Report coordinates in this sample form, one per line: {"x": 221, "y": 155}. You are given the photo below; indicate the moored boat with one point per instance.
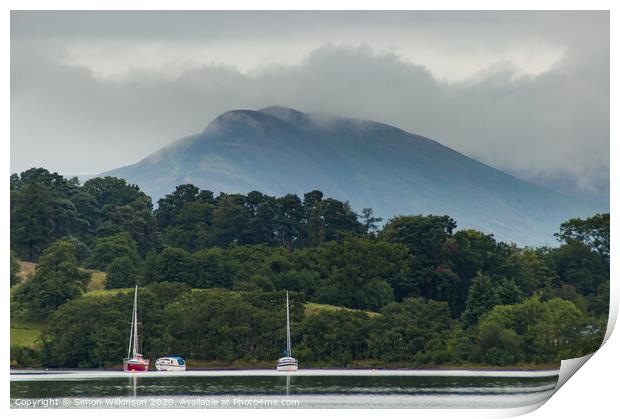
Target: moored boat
{"x": 170, "y": 363}
{"x": 287, "y": 362}
{"x": 135, "y": 362}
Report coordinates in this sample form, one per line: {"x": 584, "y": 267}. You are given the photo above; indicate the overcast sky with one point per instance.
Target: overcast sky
{"x": 527, "y": 92}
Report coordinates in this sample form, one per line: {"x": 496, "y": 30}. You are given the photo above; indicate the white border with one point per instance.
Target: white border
{"x": 593, "y": 392}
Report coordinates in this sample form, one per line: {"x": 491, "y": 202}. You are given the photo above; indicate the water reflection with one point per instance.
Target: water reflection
{"x": 134, "y": 384}
{"x": 288, "y": 384}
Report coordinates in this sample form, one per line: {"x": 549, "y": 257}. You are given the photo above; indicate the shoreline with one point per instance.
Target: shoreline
{"x": 201, "y": 365}
{"x": 60, "y": 375}
{"x": 457, "y": 369}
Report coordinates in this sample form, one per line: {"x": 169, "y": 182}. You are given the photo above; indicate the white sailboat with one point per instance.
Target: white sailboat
{"x": 134, "y": 361}
{"x": 287, "y": 363}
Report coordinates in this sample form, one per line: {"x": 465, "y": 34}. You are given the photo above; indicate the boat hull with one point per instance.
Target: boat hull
{"x": 136, "y": 365}
{"x": 286, "y": 367}
{"x": 287, "y": 364}
{"x": 170, "y": 367}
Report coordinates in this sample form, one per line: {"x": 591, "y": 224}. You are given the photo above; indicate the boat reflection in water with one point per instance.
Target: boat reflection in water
{"x": 312, "y": 388}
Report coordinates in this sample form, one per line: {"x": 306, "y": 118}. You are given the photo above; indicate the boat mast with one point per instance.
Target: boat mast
{"x": 135, "y": 324}
{"x": 288, "y": 329}
{"x": 130, "y": 336}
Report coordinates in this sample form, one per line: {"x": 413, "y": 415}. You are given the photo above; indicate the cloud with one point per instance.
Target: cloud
{"x": 547, "y": 122}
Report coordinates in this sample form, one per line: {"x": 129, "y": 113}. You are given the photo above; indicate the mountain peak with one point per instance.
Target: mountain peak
{"x": 238, "y": 118}
{"x": 284, "y": 113}
{"x": 279, "y": 150}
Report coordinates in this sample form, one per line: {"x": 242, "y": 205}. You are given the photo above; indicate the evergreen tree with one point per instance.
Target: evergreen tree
{"x": 31, "y": 221}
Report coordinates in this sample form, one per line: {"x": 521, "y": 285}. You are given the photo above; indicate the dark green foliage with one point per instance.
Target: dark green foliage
{"x": 31, "y": 220}
{"x": 426, "y": 237}
{"x": 14, "y": 269}
{"x": 24, "y": 356}
{"x": 45, "y": 207}
{"x": 124, "y": 208}
{"x": 356, "y": 273}
{"x": 167, "y": 292}
{"x": 122, "y": 272}
{"x": 112, "y": 191}
{"x": 528, "y": 270}
{"x": 57, "y": 280}
{"x": 500, "y": 346}
{"x": 599, "y": 303}
{"x": 408, "y": 329}
{"x": 82, "y": 251}
{"x": 471, "y": 252}
{"x": 486, "y": 292}
{"x": 226, "y": 326}
{"x": 193, "y": 219}
{"x": 334, "y": 337}
{"x": 577, "y": 265}
{"x": 176, "y": 265}
{"x": 569, "y": 293}
{"x": 540, "y": 331}
{"x": 106, "y": 249}
{"x": 86, "y": 333}
{"x": 593, "y": 232}
{"x": 442, "y": 297}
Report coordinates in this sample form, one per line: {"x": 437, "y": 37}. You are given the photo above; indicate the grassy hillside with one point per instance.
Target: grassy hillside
{"x": 101, "y": 292}
{"x": 26, "y": 334}
{"x": 310, "y": 308}
{"x": 315, "y": 308}
{"x": 97, "y": 280}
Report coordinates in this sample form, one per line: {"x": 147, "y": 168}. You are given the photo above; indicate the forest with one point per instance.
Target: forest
{"x": 411, "y": 291}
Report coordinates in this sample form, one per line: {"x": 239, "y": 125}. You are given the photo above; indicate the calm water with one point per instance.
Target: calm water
{"x": 272, "y": 389}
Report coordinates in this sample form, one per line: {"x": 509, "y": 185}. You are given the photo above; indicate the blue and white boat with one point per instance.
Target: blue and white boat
{"x": 170, "y": 363}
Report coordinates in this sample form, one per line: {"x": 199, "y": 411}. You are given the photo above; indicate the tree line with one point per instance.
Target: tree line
{"x": 416, "y": 290}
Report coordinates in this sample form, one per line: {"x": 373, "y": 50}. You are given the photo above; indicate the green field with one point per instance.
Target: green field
{"x": 315, "y": 308}
{"x": 102, "y": 292}
{"x": 26, "y": 334}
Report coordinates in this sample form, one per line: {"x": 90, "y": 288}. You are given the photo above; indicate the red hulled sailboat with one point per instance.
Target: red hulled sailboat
{"x": 134, "y": 361}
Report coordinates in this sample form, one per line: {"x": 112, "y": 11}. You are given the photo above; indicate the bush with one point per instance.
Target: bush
{"x": 122, "y": 273}
{"x": 23, "y": 356}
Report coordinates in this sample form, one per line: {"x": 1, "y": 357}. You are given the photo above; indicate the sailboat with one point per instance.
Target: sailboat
{"x": 287, "y": 363}
{"x": 134, "y": 361}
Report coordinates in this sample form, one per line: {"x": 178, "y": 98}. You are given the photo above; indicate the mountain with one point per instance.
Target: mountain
{"x": 279, "y": 150}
